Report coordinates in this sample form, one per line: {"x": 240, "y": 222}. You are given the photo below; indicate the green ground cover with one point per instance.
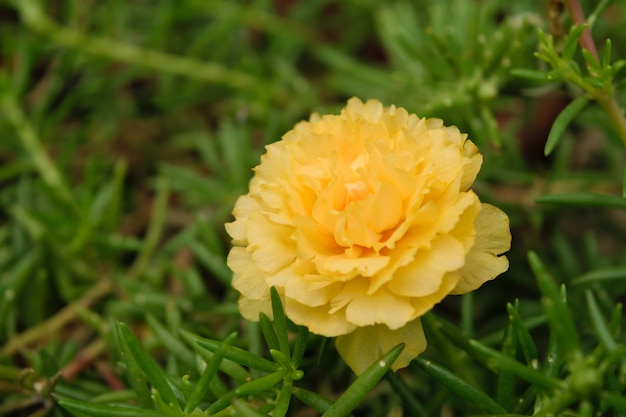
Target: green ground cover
{"x": 129, "y": 128}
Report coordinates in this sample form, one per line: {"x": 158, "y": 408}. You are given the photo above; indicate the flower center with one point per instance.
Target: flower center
{"x": 356, "y": 191}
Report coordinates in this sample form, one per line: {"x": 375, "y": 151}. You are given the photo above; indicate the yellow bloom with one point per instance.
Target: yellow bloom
{"x": 363, "y": 221}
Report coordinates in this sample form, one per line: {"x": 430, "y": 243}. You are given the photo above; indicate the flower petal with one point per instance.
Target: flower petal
{"x": 270, "y": 244}
{"x": 244, "y": 207}
{"x": 422, "y": 305}
{"x": 424, "y": 275}
{"x": 484, "y": 260}
{"x": 381, "y": 307}
{"x": 247, "y": 277}
{"x": 250, "y": 309}
{"x": 365, "y": 345}
{"x": 318, "y": 320}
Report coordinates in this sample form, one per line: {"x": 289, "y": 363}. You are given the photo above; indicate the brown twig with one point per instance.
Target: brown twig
{"x": 84, "y": 358}
{"x": 606, "y": 99}
{"x": 578, "y": 17}
{"x": 57, "y": 321}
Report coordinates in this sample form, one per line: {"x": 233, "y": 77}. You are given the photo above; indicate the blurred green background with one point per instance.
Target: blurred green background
{"x": 129, "y": 128}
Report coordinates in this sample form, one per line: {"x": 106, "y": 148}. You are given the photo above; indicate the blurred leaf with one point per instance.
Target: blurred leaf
{"x": 313, "y": 400}
{"x": 571, "y": 43}
{"x": 559, "y": 317}
{"x": 524, "y": 338}
{"x": 105, "y": 410}
{"x": 459, "y": 386}
{"x": 500, "y": 362}
{"x": 268, "y": 331}
{"x": 244, "y": 410}
{"x": 583, "y": 199}
{"x": 280, "y": 323}
{"x": 299, "y": 347}
{"x": 153, "y": 373}
{"x": 411, "y": 403}
{"x": 171, "y": 342}
{"x": 362, "y": 386}
{"x": 240, "y": 356}
{"x": 209, "y": 373}
{"x": 230, "y": 368}
{"x": 505, "y": 380}
{"x": 599, "y": 323}
{"x": 562, "y": 121}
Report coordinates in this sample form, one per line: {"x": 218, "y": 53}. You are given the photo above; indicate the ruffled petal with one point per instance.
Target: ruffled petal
{"x": 270, "y": 244}
{"x": 365, "y": 345}
{"x": 424, "y": 275}
{"x": 318, "y": 320}
{"x": 381, "y": 307}
{"x": 484, "y": 260}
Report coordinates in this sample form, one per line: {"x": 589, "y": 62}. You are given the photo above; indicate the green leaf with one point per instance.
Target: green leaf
{"x": 411, "y": 404}
{"x": 467, "y": 314}
{"x": 134, "y": 373}
{"x": 363, "y": 385}
{"x": 299, "y": 347}
{"x": 170, "y": 410}
{"x": 562, "y": 121}
{"x": 599, "y": 323}
{"x": 172, "y": 343}
{"x": 242, "y": 409}
{"x": 524, "y": 338}
{"x": 498, "y": 361}
{"x": 268, "y": 332}
{"x": 230, "y": 368}
{"x": 606, "y": 58}
{"x": 532, "y": 75}
{"x": 262, "y": 384}
{"x": 212, "y": 261}
{"x": 616, "y": 318}
{"x": 601, "y": 275}
{"x": 505, "y": 381}
{"x": 284, "y": 398}
{"x": 12, "y": 284}
{"x": 154, "y": 374}
{"x": 459, "y": 386}
{"x": 241, "y": 356}
{"x": 559, "y": 317}
{"x": 624, "y": 183}
{"x": 554, "y": 357}
{"x": 105, "y": 410}
{"x": 616, "y": 400}
{"x": 583, "y": 199}
{"x": 571, "y": 42}
{"x": 280, "y": 323}
{"x": 209, "y": 373}
{"x": 312, "y": 399}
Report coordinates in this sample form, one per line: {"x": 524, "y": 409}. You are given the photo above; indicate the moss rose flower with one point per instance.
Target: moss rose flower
{"x": 363, "y": 221}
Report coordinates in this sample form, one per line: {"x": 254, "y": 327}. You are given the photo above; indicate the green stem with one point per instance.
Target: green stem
{"x": 155, "y": 228}
{"x": 607, "y": 101}
{"x": 52, "y": 325}
{"x": 616, "y": 115}
{"x": 578, "y": 17}
{"x": 32, "y": 15}
{"x": 31, "y": 143}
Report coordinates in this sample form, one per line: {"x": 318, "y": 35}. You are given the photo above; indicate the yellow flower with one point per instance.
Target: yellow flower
{"x": 363, "y": 221}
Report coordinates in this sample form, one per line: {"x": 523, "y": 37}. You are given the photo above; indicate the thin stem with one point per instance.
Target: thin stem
{"x": 84, "y": 358}
{"x": 616, "y": 115}
{"x": 608, "y": 102}
{"x": 32, "y": 144}
{"x": 578, "y": 17}
{"x": 52, "y": 325}
{"x": 35, "y": 19}
{"x": 155, "y": 228}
